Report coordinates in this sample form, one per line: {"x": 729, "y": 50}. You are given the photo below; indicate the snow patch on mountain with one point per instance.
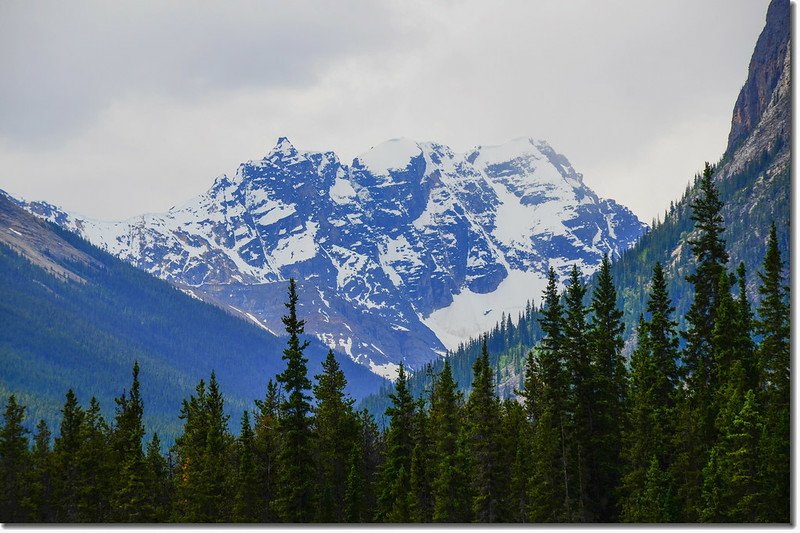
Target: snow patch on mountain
{"x": 394, "y": 154}
{"x": 472, "y": 313}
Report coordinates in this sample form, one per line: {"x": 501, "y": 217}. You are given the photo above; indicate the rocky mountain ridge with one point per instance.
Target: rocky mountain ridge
{"x": 406, "y": 252}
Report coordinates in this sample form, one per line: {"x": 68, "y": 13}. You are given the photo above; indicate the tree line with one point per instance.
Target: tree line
{"x": 693, "y": 428}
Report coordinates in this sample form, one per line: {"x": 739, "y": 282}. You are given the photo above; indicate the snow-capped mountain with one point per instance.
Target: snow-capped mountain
{"x": 408, "y": 251}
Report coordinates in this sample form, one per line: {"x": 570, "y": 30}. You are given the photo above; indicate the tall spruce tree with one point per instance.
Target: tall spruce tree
{"x": 450, "y": 499}
{"x": 609, "y": 383}
{"x": 204, "y": 458}
{"x": 266, "y": 438}
{"x": 546, "y": 378}
{"x": 336, "y": 431}
{"x": 516, "y": 455}
{"x": 14, "y": 463}
{"x": 66, "y": 461}
{"x": 40, "y": 478}
{"x": 483, "y": 425}
{"x": 295, "y": 494}
{"x": 246, "y": 500}
{"x": 708, "y": 248}
{"x": 157, "y": 481}
{"x": 582, "y": 398}
{"x": 421, "y": 468}
{"x": 96, "y": 467}
{"x": 217, "y": 456}
{"x": 355, "y": 508}
{"x": 394, "y": 500}
{"x": 126, "y": 443}
{"x": 647, "y": 487}
{"x": 774, "y": 387}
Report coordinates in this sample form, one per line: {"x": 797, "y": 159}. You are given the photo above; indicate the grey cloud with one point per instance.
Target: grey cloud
{"x": 63, "y": 62}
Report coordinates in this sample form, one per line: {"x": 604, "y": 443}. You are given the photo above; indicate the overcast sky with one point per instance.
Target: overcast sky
{"x": 112, "y": 109}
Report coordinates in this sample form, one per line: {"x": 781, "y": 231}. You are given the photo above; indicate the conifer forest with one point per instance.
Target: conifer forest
{"x": 692, "y": 426}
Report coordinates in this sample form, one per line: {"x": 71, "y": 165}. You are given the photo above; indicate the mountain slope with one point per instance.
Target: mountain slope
{"x": 410, "y": 250}
{"x": 754, "y": 180}
{"x": 75, "y": 316}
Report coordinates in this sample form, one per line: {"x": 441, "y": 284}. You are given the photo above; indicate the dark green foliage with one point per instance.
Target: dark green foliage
{"x": 609, "y": 389}
{"x": 395, "y": 497}
{"x": 581, "y": 399}
{"x": 203, "y": 458}
{"x": 97, "y": 469}
{"x": 547, "y": 383}
{"x": 774, "y": 385}
{"x": 336, "y": 432}
{"x": 295, "y": 497}
{"x": 39, "y": 500}
{"x": 647, "y": 486}
{"x": 14, "y": 463}
{"x": 487, "y": 471}
{"x": 710, "y": 258}
{"x": 516, "y": 454}
{"x": 129, "y": 500}
{"x": 66, "y": 459}
{"x": 157, "y": 481}
{"x": 265, "y": 446}
{"x": 421, "y": 469}
{"x": 450, "y": 497}
{"x": 246, "y": 502}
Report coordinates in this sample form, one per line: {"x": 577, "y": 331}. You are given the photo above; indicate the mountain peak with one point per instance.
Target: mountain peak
{"x": 394, "y": 154}
{"x": 283, "y": 147}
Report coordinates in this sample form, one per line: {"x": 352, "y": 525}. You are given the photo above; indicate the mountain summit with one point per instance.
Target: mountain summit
{"x": 409, "y": 250}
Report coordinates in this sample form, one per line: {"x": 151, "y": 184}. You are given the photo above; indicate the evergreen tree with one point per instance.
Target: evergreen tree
{"x": 394, "y": 500}
{"x": 40, "y": 478}
{"x": 516, "y": 453}
{"x": 14, "y": 463}
{"x": 549, "y": 490}
{"x": 609, "y": 384}
{"x": 547, "y": 498}
{"x": 129, "y": 501}
{"x": 355, "y": 509}
{"x": 662, "y": 339}
{"x": 203, "y": 454}
{"x": 265, "y": 443}
{"x": 582, "y": 395}
{"x": 647, "y": 487}
{"x": 450, "y": 499}
{"x": 96, "y": 468}
{"x": 66, "y": 461}
{"x": 217, "y": 457}
{"x": 483, "y": 425}
{"x": 245, "y": 503}
{"x": 189, "y": 502}
{"x": 157, "y": 482}
{"x": 744, "y": 330}
{"x": 421, "y": 469}
{"x": 295, "y": 497}
{"x": 710, "y": 256}
{"x": 774, "y": 364}
{"x": 335, "y": 432}
{"x": 744, "y": 488}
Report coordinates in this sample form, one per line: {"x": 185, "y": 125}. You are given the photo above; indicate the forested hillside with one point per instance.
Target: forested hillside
{"x": 75, "y": 316}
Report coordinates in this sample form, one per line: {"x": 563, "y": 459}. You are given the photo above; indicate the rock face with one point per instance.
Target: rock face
{"x": 766, "y": 68}
{"x": 752, "y": 209}
{"x": 408, "y": 251}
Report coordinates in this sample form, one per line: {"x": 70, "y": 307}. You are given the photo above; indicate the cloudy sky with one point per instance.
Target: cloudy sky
{"x": 112, "y": 109}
